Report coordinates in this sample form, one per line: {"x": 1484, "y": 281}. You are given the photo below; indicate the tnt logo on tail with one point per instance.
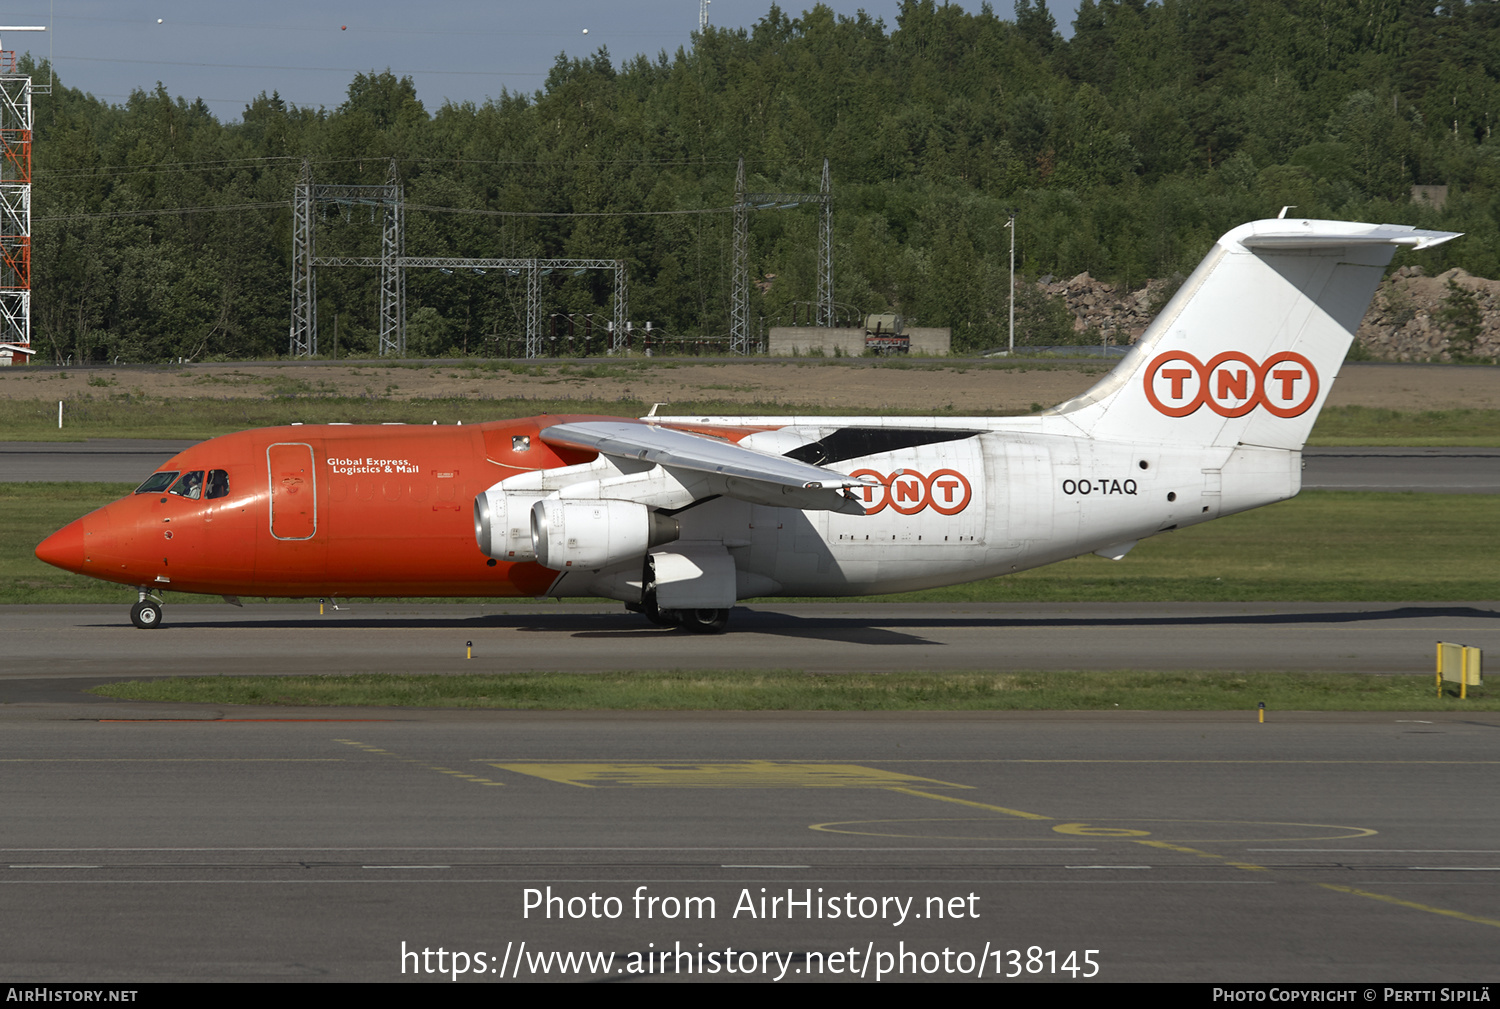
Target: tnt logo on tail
{"x": 1231, "y": 384}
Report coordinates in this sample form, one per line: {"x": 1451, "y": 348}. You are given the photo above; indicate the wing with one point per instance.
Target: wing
{"x": 732, "y": 470}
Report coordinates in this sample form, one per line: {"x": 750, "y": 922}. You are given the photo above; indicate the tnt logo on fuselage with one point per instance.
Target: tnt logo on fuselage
{"x": 1231, "y": 384}
{"x": 945, "y": 491}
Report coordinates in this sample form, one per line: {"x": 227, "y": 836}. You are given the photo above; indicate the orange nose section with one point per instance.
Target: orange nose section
{"x": 64, "y": 548}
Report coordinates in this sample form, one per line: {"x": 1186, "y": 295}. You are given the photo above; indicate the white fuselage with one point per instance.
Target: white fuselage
{"x": 1004, "y": 496}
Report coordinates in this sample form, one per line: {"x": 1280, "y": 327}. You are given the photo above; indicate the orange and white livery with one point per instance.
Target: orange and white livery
{"x": 680, "y": 517}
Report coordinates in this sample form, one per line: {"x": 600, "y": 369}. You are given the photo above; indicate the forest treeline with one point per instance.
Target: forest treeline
{"x": 1124, "y": 150}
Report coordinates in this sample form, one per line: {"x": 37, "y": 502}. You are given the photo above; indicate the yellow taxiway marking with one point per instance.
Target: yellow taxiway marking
{"x": 1411, "y": 904}
{"x": 783, "y": 774}
{"x": 1079, "y": 760}
{"x": 465, "y": 775}
{"x": 1105, "y": 830}
{"x": 969, "y": 802}
{"x": 1247, "y": 866}
{"x": 735, "y": 774}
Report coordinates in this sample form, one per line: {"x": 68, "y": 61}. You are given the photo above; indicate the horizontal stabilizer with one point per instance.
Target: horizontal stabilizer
{"x": 1301, "y": 235}
{"x": 1248, "y": 347}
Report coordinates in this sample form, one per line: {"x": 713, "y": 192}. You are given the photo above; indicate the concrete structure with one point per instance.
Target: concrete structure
{"x": 932, "y": 341}
{"x": 814, "y": 341}
{"x": 1433, "y": 196}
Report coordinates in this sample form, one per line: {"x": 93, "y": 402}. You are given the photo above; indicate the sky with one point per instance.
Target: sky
{"x": 454, "y": 50}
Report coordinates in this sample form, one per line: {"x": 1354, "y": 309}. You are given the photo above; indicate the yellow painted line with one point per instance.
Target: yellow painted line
{"x": 1247, "y": 866}
{"x": 1411, "y": 904}
{"x": 1295, "y": 763}
{"x": 1069, "y": 760}
{"x": 735, "y": 774}
{"x": 417, "y": 763}
{"x": 1089, "y": 830}
{"x": 773, "y": 774}
{"x": 1042, "y": 760}
{"x": 977, "y": 805}
{"x": 843, "y": 827}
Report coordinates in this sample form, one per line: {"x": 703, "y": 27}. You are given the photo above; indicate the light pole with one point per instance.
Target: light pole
{"x": 1011, "y": 224}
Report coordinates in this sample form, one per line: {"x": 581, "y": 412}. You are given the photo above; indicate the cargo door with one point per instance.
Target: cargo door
{"x": 294, "y": 493}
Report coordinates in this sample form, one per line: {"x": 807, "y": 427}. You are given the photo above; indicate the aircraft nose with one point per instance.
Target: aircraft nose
{"x": 64, "y": 548}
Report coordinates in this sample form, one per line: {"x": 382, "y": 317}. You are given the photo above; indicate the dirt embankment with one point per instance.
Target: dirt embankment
{"x": 852, "y": 387}
{"x": 1413, "y": 317}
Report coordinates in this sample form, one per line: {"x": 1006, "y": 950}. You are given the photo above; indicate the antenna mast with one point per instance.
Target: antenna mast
{"x": 15, "y": 203}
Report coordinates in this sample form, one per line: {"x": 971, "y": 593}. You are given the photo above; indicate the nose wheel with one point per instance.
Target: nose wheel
{"x": 146, "y": 614}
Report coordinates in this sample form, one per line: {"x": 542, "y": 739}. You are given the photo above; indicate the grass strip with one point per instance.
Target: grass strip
{"x": 1363, "y": 425}
{"x": 785, "y": 690}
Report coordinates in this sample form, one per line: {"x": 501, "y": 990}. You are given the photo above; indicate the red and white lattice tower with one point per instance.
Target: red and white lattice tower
{"x": 15, "y": 204}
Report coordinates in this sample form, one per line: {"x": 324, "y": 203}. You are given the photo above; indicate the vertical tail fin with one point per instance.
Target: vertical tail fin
{"x": 1246, "y": 351}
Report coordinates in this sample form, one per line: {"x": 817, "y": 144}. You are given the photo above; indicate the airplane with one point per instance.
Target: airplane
{"x": 680, "y": 517}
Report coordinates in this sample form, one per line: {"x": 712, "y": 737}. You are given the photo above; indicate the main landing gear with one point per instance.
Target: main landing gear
{"x": 697, "y": 621}
{"x": 704, "y": 621}
{"x": 146, "y": 613}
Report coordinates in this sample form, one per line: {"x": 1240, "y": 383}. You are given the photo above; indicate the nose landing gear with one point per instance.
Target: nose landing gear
{"x": 146, "y": 613}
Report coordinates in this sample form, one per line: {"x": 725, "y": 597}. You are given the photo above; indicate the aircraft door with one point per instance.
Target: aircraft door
{"x": 294, "y": 493}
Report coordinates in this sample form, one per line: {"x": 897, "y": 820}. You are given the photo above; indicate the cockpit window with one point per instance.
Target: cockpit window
{"x": 218, "y": 484}
{"x": 189, "y": 486}
{"x": 157, "y": 482}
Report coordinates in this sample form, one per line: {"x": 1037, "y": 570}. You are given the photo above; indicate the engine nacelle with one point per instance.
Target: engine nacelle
{"x": 502, "y": 525}
{"x": 595, "y": 534}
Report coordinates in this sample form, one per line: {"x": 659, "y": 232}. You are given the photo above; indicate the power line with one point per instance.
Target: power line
{"x": 357, "y": 29}
{"x": 283, "y": 205}
{"x": 280, "y": 204}
{"x": 270, "y": 66}
{"x": 567, "y": 213}
{"x": 121, "y": 171}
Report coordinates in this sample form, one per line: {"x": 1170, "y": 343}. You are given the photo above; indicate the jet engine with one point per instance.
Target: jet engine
{"x": 595, "y": 534}
{"x": 502, "y": 525}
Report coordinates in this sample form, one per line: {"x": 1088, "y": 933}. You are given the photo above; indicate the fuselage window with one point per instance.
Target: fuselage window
{"x": 157, "y": 482}
{"x": 218, "y": 484}
{"x": 189, "y": 486}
